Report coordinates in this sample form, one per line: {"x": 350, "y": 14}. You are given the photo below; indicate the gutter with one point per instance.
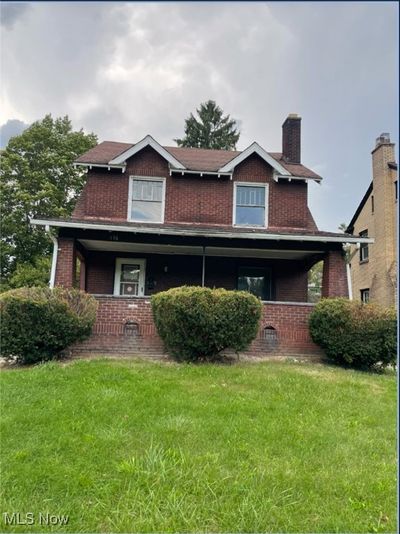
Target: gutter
{"x": 194, "y": 233}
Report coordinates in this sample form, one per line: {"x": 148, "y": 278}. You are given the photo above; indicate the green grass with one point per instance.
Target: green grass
{"x": 135, "y": 446}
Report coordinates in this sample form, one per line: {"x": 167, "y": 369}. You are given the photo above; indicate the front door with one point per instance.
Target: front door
{"x": 129, "y": 277}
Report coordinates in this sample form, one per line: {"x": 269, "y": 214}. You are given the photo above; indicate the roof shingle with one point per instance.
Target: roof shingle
{"x": 196, "y": 159}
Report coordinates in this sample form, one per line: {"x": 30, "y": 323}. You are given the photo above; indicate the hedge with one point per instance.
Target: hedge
{"x": 355, "y": 334}
{"x": 38, "y": 323}
{"x": 199, "y": 323}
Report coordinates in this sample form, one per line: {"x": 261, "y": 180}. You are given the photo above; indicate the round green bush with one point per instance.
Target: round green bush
{"x": 38, "y": 322}
{"x": 199, "y": 323}
{"x": 355, "y": 334}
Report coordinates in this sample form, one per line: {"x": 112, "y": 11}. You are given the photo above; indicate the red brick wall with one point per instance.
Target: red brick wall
{"x": 105, "y": 196}
{"x": 194, "y": 199}
{"x": 290, "y": 322}
{"x": 110, "y": 335}
{"x": 66, "y": 261}
{"x": 334, "y": 276}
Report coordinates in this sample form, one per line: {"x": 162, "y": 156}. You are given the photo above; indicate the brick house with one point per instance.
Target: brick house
{"x": 152, "y": 217}
{"x": 374, "y": 266}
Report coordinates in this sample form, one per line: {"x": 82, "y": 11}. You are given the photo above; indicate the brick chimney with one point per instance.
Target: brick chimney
{"x": 291, "y": 139}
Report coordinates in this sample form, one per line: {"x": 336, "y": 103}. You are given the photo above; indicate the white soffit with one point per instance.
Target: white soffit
{"x": 255, "y": 148}
{"x": 147, "y": 141}
{"x": 146, "y": 248}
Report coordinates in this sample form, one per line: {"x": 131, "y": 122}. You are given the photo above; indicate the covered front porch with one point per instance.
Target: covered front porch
{"x": 139, "y": 264}
{"x": 122, "y": 269}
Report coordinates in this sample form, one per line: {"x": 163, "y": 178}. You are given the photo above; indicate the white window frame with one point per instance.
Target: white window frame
{"x": 250, "y": 184}
{"x": 142, "y": 275}
{"x": 152, "y": 179}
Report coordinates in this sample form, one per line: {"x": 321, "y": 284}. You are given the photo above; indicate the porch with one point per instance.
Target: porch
{"x": 123, "y": 264}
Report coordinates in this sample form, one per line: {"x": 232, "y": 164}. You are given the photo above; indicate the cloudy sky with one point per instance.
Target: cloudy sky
{"x": 123, "y": 70}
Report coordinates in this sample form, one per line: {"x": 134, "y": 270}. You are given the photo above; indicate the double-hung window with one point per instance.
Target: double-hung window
{"x": 250, "y": 205}
{"x": 147, "y": 197}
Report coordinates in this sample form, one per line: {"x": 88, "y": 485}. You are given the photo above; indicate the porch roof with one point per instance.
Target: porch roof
{"x": 206, "y": 231}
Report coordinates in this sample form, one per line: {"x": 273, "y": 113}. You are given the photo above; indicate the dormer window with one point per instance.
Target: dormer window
{"x": 250, "y": 204}
{"x": 146, "y": 199}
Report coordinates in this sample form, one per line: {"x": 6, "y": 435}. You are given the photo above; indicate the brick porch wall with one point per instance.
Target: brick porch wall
{"x": 112, "y": 335}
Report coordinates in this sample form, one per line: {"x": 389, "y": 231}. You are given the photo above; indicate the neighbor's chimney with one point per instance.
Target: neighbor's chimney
{"x": 291, "y": 138}
{"x": 383, "y": 139}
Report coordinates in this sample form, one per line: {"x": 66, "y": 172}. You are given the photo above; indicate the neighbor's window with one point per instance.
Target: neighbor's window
{"x": 372, "y": 204}
{"x": 250, "y": 208}
{"x": 364, "y": 252}
{"x": 147, "y": 200}
{"x": 364, "y": 295}
{"x": 396, "y": 191}
{"x": 255, "y": 280}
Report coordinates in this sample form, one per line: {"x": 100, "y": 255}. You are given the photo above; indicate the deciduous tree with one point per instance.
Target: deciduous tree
{"x": 37, "y": 178}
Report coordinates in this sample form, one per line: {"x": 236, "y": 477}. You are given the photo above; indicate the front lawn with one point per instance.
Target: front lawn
{"x": 135, "y": 446}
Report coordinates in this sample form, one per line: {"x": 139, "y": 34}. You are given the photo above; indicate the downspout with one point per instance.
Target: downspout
{"x": 54, "y": 258}
{"x": 348, "y": 272}
{"x": 203, "y": 271}
{"x": 349, "y": 286}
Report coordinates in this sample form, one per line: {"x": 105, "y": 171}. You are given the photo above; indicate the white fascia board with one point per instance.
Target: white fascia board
{"x": 211, "y": 173}
{"x": 301, "y": 178}
{"x": 205, "y": 233}
{"x": 147, "y": 141}
{"x": 257, "y": 149}
{"x": 102, "y": 165}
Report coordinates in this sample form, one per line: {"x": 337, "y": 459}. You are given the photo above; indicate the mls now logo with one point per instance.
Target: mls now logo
{"x": 16, "y": 518}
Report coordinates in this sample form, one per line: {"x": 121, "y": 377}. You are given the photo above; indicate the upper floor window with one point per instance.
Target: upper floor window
{"x": 250, "y": 204}
{"x": 364, "y": 251}
{"x": 146, "y": 199}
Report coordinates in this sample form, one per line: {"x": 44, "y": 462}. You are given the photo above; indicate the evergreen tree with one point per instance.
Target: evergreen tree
{"x": 210, "y": 130}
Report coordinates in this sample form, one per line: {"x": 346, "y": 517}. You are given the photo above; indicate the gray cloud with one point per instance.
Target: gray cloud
{"x": 125, "y": 70}
{"x": 10, "y": 129}
{"x": 10, "y": 12}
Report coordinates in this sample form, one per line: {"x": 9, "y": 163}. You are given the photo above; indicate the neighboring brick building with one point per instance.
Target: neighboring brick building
{"x": 152, "y": 217}
{"x": 374, "y": 266}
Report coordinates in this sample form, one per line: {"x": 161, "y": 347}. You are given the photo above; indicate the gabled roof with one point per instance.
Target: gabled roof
{"x": 108, "y": 153}
{"x": 350, "y": 228}
{"x": 146, "y": 141}
{"x": 254, "y": 148}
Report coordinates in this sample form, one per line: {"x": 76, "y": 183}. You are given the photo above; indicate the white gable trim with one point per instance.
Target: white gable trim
{"x": 257, "y": 149}
{"x": 147, "y": 141}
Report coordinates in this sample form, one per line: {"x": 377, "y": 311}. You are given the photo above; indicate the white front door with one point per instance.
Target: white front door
{"x": 129, "y": 277}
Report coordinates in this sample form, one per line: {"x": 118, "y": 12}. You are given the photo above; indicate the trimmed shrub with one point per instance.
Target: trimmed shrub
{"x": 355, "y": 334}
{"x": 38, "y": 323}
{"x": 198, "y": 323}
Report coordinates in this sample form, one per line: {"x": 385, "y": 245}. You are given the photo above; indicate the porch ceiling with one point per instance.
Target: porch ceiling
{"x": 149, "y": 248}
